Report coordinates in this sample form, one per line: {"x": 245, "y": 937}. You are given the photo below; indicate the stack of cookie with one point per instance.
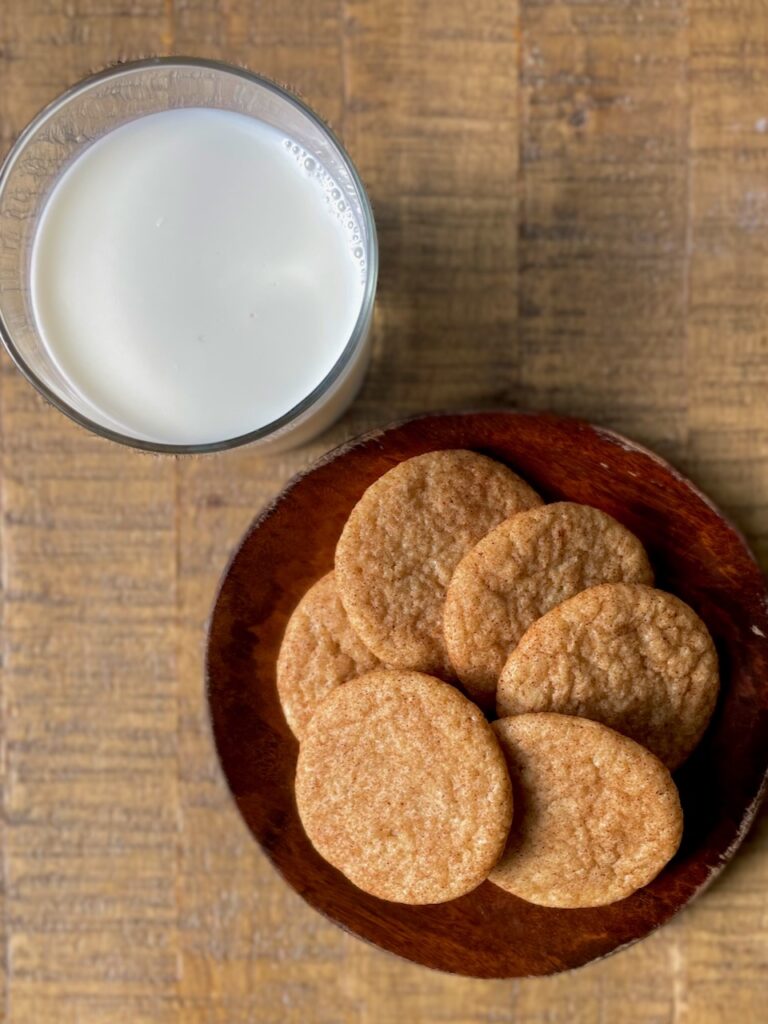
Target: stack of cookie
{"x": 458, "y": 593}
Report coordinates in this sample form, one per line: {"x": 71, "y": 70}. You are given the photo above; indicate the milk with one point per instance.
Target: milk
{"x": 195, "y": 275}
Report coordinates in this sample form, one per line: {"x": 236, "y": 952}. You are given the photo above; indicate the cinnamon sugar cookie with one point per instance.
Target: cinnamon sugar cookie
{"x": 403, "y": 540}
{"x": 636, "y": 659}
{"x": 597, "y": 815}
{"x": 401, "y": 785}
{"x": 320, "y": 650}
{"x": 520, "y": 570}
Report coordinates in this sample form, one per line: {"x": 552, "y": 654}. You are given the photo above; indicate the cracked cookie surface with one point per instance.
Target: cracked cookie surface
{"x": 404, "y": 538}
{"x": 402, "y": 786}
{"x": 636, "y": 659}
{"x": 596, "y": 815}
{"x": 521, "y": 569}
{"x": 320, "y": 651}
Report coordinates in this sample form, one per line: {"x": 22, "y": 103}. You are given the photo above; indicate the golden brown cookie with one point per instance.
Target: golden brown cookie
{"x": 524, "y": 567}
{"x": 403, "y": 540}
{"x": 320, "y": 650}
{"x": 402, "y": 786}
{"x": 634, "y": 658}
{"x": 597, "y": 816}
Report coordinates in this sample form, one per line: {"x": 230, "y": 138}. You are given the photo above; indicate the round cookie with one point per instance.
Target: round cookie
{"x": 403, "y": 540}
{"x": 520, "y": 570}
{"x": 636, "y": 659}
{"x": 597, "y": 816}
{"x": 402, "y": 786}
{"x": 320, "y": 650}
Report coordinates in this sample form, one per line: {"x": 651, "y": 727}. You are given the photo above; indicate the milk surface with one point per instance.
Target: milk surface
{"x": 194, "y": 275}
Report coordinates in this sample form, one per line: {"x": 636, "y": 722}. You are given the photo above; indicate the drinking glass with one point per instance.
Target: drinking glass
{"x": 96, "y": 106}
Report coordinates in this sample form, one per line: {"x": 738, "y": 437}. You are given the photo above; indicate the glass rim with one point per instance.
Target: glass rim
{"x": 372, "y": 258}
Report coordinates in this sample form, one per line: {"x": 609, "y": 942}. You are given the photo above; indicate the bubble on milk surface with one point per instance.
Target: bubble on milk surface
{"x": 333, "y": 196}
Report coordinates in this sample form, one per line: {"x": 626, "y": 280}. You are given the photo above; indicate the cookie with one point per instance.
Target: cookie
{"x": 597, "y": 816}
{"x": 524, "y": 567}
{"x": 320, "y": 650}
{"x": 402, "y": 786}
{"x": 403, "y": 540}
{"x": 634, "y": 658}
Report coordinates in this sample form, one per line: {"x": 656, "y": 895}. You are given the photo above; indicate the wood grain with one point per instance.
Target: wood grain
{"x": 572, "y": 207}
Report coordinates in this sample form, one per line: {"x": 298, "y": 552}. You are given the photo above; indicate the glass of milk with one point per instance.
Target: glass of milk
{"x": 188, "y": 259}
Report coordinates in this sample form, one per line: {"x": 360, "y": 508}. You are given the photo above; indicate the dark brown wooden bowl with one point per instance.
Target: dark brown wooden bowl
{"x": 697, "y": 554}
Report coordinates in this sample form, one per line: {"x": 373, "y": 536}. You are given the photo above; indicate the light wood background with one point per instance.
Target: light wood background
{"x": 572, "y": 201}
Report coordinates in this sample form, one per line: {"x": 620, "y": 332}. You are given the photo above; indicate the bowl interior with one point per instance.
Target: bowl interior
{"x": 696, "y": 554}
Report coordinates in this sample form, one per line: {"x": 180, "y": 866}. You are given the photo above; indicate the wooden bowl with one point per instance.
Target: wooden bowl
{"x": 696, "y": 553}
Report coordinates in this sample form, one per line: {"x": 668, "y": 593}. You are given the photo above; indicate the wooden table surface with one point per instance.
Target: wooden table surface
{"x": 572, "y": 201}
